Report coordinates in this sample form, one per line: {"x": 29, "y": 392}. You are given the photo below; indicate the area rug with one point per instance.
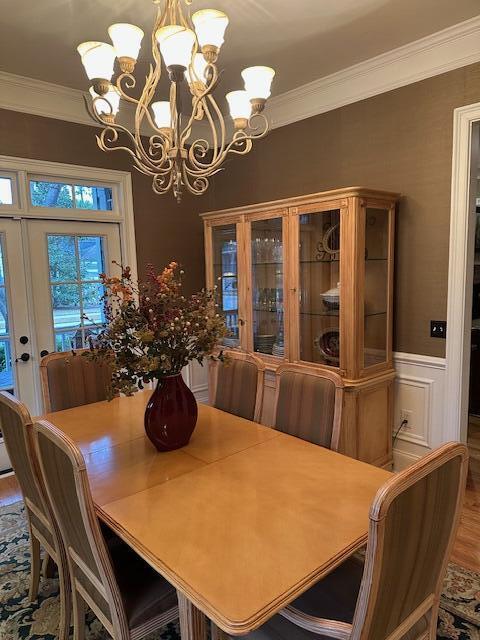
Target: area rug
{"x": 20, "y": 620}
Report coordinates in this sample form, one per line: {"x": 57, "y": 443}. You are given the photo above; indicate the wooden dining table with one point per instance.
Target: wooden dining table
{"x": 240, "y": 521}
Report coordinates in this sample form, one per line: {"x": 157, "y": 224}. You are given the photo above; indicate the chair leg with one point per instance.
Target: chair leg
{"x": 193, "y": 623}
{"x": 35, "y": 567}
{"x": 217, "y": 633}
{"x": 78, "y": 616}
{"x": 65, "y": 604}
{"x": 432, "y": 632}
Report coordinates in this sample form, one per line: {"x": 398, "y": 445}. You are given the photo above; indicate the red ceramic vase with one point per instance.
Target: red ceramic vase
{"x": 171, "y": 414}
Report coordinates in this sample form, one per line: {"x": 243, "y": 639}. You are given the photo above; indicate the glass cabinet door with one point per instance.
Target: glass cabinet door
{"x": 376, "y": 303}
{"x": 225, "y": 276}
{"x": 267, "y": 286}
{"x": 319, "y": 294}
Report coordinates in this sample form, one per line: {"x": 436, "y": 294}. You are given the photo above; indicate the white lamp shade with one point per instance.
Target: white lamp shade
{"x": 176, "y": 44}
{"x": 210, "y": 26}
{"x": 108, "y": 104}
{"x": 162, "y": 114}
{"x": 258, "y": 81}
{"x": 126, "y": 39}
{"x": 98, "y": 59}
{"x": 239, "y": 103}
{"x": 196, "y": 70}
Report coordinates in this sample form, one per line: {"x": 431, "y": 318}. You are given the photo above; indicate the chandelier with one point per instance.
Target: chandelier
{"x": 179, "y": 142}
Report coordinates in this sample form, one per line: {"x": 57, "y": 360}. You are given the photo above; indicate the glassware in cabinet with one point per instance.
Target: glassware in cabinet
{"x": 225, "y": 276}
{"x": 267, "y": 288}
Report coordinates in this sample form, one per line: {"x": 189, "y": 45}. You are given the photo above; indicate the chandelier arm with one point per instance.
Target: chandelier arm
{"x": 160, "y": 186}
{"x": 137, "y": 163}
{"x": 200, "y": 183}
{"x": 199, "y": 99}
{"x": 138, "y": 151}
{"x": 241, "y": 144}
{"x": 200, "y": 147}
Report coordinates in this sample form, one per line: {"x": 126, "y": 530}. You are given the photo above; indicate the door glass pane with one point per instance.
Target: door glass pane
{"x": 77, "y": 304}
{"x": 92, "y": 303}
{"x": 66, "y": 305}
{"x": 319, "y": 270}
{"x": 376, "y": 286}
{"x": 225, "y": 273}
{"x": 6, "y": 372}
{"x": 267, "y": 286}
{"x": 6, "y": 191}
{"x": 62, "y": 261}
{"x": 91, "y": 257}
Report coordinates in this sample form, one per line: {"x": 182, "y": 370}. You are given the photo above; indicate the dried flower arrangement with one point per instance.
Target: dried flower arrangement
{"x": 153, "y": 330}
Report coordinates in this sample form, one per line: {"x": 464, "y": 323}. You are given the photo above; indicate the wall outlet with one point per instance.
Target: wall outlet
{"x": 406, "y": 415}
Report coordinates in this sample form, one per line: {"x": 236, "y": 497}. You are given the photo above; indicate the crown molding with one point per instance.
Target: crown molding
{"x": 27, "y": 95}
{"x": 443, "y": 51}
{"x": 449, "y": 49}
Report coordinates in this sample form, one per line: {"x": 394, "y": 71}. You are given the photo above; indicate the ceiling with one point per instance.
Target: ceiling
{"x": 302, "y": 39}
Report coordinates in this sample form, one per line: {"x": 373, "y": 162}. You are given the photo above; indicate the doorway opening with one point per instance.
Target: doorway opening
{"x": 474, "y": 383}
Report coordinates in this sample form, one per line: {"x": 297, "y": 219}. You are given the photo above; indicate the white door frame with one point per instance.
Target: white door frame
{"x": 460, "y": 276}
{"x": 19, "y": 169}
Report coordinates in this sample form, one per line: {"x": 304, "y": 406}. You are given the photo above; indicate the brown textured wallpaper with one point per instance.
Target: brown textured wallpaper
{"x": 164, "y": 230}
{"x": 398, "y": 141}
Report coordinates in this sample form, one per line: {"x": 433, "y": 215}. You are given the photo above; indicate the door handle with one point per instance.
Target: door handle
{"x": 43, "y": 353}
{"x": 25, "y": 357}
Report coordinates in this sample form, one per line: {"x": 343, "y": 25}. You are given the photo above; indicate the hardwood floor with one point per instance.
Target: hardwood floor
{"x": 466, "y": 551}
{"x": 9, "y": 491}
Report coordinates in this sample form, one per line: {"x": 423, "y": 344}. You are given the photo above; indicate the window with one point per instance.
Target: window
{"x": 62, "y": 195}
{"x": 6, "y": 190}
{"x": 75, "y": 264}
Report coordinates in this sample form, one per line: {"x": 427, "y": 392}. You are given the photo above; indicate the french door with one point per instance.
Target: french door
{"x": 68, "y": 258}
{"x": 50, "y": 296}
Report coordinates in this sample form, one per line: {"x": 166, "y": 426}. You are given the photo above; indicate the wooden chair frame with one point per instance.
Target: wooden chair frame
{"x": 55, "y": 355}
{"x": 317, "y": 373}
{"x": 108, "y": 587}
{"x": 236, "y": 354}
{"x": 57, "y": 552}
{"x": 371, "y": 586}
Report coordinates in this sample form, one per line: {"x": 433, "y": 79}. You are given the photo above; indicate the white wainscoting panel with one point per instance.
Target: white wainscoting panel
{"x": 196, "y": 377}
{"x": 419, "y": 389}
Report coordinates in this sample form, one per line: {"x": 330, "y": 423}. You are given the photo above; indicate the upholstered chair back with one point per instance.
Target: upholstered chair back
{"x": 309, "y": 404}
{"x": 237, "y": 385}
{"x": 70, "y": 380}
{"x": 413, "y": 521}
{"x": 65, "y": 477}
{"x": 16, "y": 426}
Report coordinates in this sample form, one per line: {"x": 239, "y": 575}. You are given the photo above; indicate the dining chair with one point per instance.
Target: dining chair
{"x": 395, "y": 594}
{"x": 70, "y": 380}
{"x": 128, "y": 597}
{"x": 309, "y": 403}
{"x": 236, "y": 385}
{"x": 16, "y": 425}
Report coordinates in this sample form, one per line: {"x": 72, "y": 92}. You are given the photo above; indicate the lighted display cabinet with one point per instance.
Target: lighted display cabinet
{"x": 310, "y": 280}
